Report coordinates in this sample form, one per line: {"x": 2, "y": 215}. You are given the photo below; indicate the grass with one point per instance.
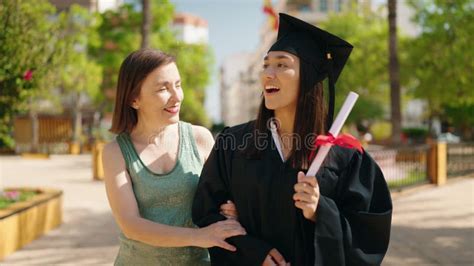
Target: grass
{"x": 414, "y": 177}
{"x": 6, "y": 201}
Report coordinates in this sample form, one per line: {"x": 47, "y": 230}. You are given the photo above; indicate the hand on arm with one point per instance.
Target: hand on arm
{"x": 229, "y": 211}
{"x": 125, "y": 210}
{"x": 274, "y": 257}
{"x": 215, "y": 234}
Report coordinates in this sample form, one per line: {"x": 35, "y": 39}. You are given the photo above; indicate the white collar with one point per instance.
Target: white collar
{"x": 276, "y": 139}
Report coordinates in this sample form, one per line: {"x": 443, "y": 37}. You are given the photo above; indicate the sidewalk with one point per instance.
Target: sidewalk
{"x": 431, "y": 225}
{"x": 88, "y": 234}
{"x": 434, "y": 226}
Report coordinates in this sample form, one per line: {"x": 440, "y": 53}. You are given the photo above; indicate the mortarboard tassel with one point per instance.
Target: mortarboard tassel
{"x": 331, "y": 91}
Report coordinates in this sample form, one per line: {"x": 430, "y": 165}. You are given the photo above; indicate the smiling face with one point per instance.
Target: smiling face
{"x": 280, "y": 80}
{"x": 160, "y": 95}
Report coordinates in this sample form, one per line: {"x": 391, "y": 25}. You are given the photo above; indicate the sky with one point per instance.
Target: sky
{"x": 234, "y": 26}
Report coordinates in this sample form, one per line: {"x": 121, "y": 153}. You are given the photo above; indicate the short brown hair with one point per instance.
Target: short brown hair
{"x": 133, "y": 71}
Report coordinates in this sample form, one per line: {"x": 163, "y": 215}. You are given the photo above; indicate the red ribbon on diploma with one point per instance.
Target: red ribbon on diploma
{"x": 343, "y": 140}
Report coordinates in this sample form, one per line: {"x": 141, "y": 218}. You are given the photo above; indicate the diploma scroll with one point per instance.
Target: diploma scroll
{"x": 334, "y": 130}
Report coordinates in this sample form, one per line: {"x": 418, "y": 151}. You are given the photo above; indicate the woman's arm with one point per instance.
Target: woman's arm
{"x": 204, "y": 141}
{"x": 125, "y": 210}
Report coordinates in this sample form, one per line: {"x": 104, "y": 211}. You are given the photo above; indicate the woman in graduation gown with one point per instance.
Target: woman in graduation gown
{"x": 341, "y": 217}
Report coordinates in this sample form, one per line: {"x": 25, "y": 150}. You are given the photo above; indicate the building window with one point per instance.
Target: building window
{"x": 323, "y": 6}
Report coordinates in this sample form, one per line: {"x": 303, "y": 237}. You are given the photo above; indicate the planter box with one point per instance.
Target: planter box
{"x": 23, "y": 222}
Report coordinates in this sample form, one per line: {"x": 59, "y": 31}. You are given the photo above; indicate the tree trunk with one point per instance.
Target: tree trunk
{"x": 77, "y": 115}
{"x": 146, "y": 23}
{"x": 394, "y": 74}
{"x": 34, "y": 131}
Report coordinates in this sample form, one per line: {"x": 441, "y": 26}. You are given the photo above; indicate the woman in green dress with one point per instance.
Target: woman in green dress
{"x": 152, "y": 168}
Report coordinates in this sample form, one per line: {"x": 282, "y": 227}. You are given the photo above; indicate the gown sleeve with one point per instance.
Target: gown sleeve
{"x": 353, "y": 226}
{"x": 212, "y": 191}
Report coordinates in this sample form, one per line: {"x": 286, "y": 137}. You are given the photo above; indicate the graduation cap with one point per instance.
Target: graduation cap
{"x": 326, "y": 52}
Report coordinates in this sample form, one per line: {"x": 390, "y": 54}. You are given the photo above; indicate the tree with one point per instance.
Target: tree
{"x": 366, "y": 69}
{"x": 42, "y": 51}
{"x": 146, "y": 23}
{"x": 194, "y": 62}
{"x": 28, "y": 42}
{"x": 80, "y": 77}
{"x": 442, "y": 59}
{"x": 394, "y": 74}
{"x": 460, "y": 116}
{"x": 120, "y": 32}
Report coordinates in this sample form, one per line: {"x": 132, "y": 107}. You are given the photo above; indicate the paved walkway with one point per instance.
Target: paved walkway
{"x": 88, "y": 234}
{"x": 434, "y": 225}
{"x": 431, "y": 225}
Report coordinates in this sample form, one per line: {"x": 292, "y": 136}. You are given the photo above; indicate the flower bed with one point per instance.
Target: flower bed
{"x": 26, "y": 214}
{"x": 10, "y": 196}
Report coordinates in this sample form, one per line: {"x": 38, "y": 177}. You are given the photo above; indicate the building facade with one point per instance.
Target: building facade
{"x": 234, "y": 94}
{"x": 314, "y": 11}
{"x": 245, "y": 92}
{"x": 190, "y": 29}
{"x": 241, "y": 97}
{"x": 91, "y": 5}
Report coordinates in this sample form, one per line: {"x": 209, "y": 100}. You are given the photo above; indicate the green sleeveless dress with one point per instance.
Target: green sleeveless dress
{"x": 163, "y": 198}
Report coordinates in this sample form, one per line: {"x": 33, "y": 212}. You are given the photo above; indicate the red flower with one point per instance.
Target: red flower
{"x": 110, "y": 45}
{"x": 28, "y": 75}
{"x": 12, "y": 195}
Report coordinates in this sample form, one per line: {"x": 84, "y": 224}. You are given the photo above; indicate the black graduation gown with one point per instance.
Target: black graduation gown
{"x": 353, "y": 217}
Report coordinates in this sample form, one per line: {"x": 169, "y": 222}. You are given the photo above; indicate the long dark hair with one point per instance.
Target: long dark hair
{"x": 310, "y": 116}
{"x": 133, "y": 71}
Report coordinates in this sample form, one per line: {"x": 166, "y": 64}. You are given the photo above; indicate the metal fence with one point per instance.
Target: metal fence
{"x": 460, "y": 159}
{"x": 54, "y": 134}
{"x": 404, "y": 166}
